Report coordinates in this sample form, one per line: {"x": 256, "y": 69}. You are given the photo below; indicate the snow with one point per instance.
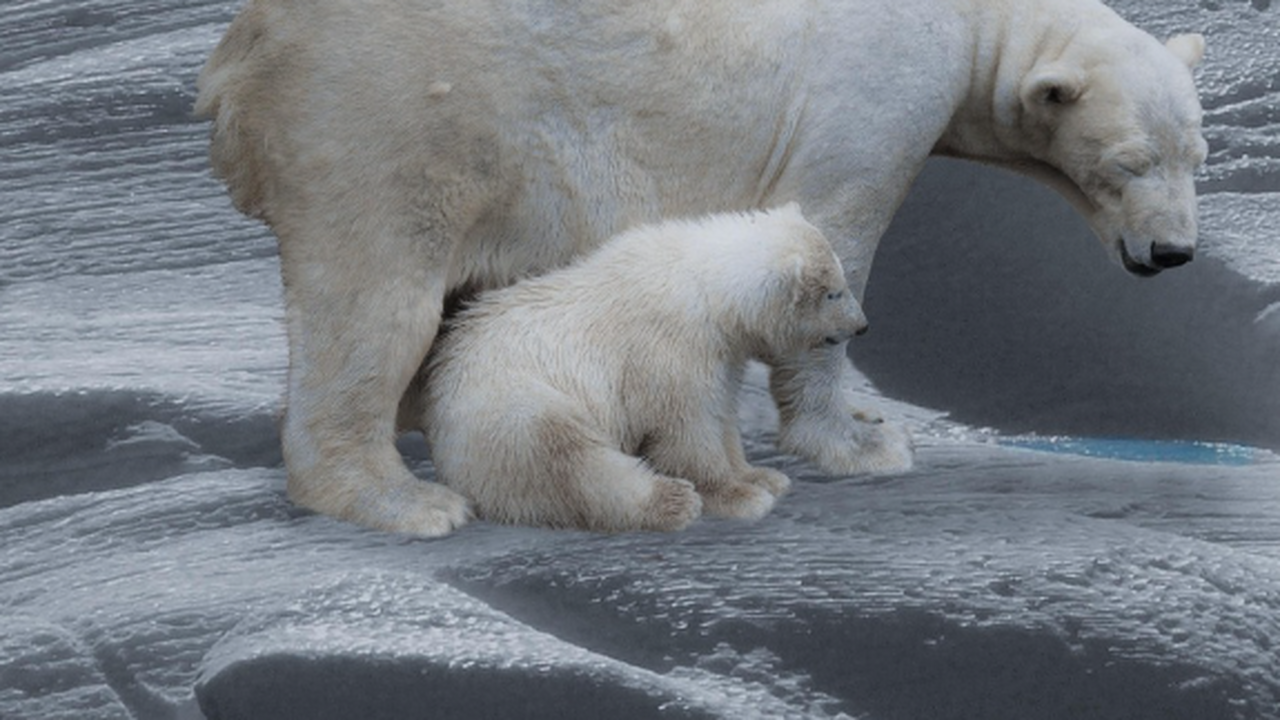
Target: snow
{"x": 152, "y": 567}
{"x": 988, "y": 579}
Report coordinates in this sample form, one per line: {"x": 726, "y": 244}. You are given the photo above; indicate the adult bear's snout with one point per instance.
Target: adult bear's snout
{"x": 1166, "y": 255}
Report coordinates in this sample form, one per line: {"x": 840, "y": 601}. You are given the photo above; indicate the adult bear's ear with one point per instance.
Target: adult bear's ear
{"x": 1051, "y": 86}
{"x": 1188, "y": 48}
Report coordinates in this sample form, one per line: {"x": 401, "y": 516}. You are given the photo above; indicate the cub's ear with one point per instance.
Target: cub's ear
{"x": 1189, "y": 48}
{"x": 1051, "y": 86}
{"x": 789, "y": 278}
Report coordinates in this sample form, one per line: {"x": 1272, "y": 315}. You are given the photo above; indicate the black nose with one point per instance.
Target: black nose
{"x": 1168, "y": 256}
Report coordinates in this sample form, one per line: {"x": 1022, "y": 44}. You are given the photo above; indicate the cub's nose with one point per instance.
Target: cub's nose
{"x": 1165, "y": 255}
{"x": 855, "y": 322}
{"x": 842, "y": 337}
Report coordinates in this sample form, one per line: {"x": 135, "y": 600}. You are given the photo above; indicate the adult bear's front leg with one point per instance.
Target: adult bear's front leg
{"x": 820, "y": 424}
{"x": 358, "y": 331}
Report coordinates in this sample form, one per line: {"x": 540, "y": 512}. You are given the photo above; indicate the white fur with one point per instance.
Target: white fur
{"x": 604, "y": 395}
{"x": 404, "y": 150}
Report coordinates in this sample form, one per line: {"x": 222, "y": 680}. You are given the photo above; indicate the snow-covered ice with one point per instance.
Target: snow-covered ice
{"x": 988, "y": 583}
{"x": 151, "y": 567}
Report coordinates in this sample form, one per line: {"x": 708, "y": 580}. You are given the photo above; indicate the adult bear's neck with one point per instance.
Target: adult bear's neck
{"x": 1010, "y": 38}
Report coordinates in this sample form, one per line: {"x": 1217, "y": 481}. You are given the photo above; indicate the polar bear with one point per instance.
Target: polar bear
{"x": 592, "y": 396}
{"x": 408, "y": 151}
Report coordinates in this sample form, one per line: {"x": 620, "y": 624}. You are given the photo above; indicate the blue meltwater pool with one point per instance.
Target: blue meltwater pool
{"x": 1175, "y": 451}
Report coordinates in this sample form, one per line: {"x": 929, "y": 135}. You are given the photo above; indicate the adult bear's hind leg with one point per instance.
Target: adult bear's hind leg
{"x": 362, "y": 312}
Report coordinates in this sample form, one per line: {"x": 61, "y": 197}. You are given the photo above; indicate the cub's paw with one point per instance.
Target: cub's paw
{"x": 737, "y": 499}
{"x": 775, "y": 482}
{"x": 848, "y": 444}
{"x": 673, "y": 505}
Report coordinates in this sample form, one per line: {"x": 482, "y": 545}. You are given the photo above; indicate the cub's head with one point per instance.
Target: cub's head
{"x": 809, "y": 303}
{"x": 1116, "y": 119}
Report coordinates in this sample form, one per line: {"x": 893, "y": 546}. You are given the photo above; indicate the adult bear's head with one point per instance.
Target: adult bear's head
{"x": 1117, "y": 117}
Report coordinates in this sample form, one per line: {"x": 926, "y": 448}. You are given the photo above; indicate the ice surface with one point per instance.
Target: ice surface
{"x": 1194, "y": 453}
{"x": 986, "y": 580}
{"x": 151, "y": 567}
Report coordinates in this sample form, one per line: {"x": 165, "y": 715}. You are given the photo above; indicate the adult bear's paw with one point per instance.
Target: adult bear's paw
{"x": 403, "y": 504}
{"x": 433, "y": 510}
{"x": 848, "y": 443}
{"x": 775, "y": 482}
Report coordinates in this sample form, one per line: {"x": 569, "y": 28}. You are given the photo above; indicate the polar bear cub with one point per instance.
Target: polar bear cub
{"x": 603, "y": 395}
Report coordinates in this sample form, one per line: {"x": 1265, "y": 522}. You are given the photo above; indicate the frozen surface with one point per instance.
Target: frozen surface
{"x": 151, "y": 567}
{"x": 989, "y": 583}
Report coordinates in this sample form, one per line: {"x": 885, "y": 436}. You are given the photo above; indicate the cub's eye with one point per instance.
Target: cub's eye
{"x": 835, "y": 294}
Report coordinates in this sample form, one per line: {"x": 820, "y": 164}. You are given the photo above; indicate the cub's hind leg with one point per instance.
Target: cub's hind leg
{"x": 707, "y": 448}
{"x": 559, "y": 472}
{"x": 621, "y": 493}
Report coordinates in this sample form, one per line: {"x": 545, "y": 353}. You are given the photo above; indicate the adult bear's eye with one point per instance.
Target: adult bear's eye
{"x": 835, "y": 294}
{"x": 1134, "y": 163}
{"x": 1135, "y": 166}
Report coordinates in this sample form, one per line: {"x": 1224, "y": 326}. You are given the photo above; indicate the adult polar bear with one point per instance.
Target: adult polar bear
{"x": 404, "y": 151}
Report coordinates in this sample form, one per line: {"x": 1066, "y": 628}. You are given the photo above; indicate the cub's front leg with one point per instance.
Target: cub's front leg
{"x": 819, "y": 423}
{"x": 707, "y": 450}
